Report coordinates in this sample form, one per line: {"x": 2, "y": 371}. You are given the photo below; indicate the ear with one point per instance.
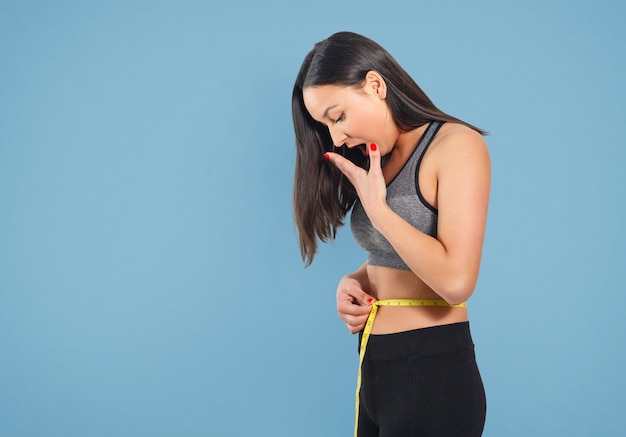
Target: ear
{"x": 375, "y": 84}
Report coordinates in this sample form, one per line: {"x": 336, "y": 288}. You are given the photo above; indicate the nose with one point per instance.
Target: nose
{"x": 337, "y": 135}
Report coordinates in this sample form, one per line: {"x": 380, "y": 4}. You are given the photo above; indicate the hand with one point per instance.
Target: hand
{"x": 370, "y": 185}
{"x": 353, "y": 304}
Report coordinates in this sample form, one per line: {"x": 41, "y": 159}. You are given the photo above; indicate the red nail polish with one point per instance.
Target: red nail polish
{"x": 370, "y": 300}
{"x": 373, "y": 147}
{"x": 327, "y": 156}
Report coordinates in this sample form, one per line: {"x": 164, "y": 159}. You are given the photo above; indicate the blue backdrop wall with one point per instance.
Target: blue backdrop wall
{"x": 150, "y": 280}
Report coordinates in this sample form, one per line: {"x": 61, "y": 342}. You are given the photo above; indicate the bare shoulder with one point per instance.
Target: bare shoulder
{"x": 458, "y": 144}
{"x": 455, "y": 135}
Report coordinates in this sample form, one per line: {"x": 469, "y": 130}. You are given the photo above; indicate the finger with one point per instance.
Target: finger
{"x": 356, "y": 325}
{"x": 355, "y": 328}
{"x": 374, "y": 154}
{"x": 352, "y": 309}
{"x": 354, "y": 297}
{"x": 355, "y": 294}
{"x": 347, "y": 167}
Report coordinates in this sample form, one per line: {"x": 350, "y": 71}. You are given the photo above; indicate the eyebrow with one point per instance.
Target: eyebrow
{"x": 328, "y": 109}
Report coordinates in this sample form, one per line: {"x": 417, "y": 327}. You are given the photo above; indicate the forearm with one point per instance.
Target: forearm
{"x": 451, "y": 274}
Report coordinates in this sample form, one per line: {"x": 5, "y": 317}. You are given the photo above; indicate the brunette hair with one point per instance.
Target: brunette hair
{"x": 322, "y": 196}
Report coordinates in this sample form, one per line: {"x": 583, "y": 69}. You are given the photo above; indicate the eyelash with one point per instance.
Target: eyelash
{"x": 341, "y": 117}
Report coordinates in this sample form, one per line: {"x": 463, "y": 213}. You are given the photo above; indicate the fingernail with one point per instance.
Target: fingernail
{"x": 326, "y": 156}
{"x": 373, "y": 147}
{"x": 370, "y": 300}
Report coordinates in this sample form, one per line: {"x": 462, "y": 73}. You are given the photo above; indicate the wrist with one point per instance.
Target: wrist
{"x": 380, "y": 216}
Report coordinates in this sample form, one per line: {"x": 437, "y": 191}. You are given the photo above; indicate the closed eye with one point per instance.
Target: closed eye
{"x": 340, "y": 118}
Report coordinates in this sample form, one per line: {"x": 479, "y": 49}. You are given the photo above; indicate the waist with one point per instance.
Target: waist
{"x": 417, "y": 342}
{"x": 406, "y": 315}
{"x": 389, "y": 283}
{"x": 420, "y": 302}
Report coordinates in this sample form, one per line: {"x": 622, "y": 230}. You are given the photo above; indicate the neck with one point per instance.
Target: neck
{"x": 407, "y": 140}
{"x": 401, "y": 152}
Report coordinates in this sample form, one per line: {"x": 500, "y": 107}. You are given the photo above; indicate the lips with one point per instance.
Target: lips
{"x": 363, "y": 148}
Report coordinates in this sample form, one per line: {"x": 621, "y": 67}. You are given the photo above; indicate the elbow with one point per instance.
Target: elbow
{"x": 457, "y": 299}
{"x": 458, "y": 291}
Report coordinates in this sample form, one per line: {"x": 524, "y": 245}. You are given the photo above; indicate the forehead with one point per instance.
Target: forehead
{"x": 318, "y": 99}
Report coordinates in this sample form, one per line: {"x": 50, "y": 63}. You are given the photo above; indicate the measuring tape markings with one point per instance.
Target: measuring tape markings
{"x": 368, "y": 329}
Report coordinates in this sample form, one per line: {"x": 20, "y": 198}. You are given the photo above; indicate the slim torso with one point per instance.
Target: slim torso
{"x": 388, "y": 283}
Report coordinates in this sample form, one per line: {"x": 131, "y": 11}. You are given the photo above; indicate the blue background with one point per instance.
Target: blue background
{"x": 150, "y": 279}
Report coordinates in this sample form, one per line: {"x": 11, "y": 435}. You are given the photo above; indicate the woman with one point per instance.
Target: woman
{"x": 416, "y": 180}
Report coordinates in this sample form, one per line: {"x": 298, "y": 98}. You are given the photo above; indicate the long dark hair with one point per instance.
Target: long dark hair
{"x": 322, "y": 196}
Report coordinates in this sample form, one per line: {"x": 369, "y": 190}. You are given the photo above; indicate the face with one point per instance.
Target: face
{"x": 354, "y": 116}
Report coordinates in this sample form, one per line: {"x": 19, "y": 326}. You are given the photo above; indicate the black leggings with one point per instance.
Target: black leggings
{"x": 422, "y": 383}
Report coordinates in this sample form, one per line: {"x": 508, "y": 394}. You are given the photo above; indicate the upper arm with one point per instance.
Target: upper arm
{"x": 463, "y": 183}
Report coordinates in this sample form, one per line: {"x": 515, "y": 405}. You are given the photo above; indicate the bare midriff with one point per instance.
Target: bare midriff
{"x": 387, "y": 283}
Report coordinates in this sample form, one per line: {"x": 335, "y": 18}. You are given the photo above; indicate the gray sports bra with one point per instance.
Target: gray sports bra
{"x": 403, "y": 197}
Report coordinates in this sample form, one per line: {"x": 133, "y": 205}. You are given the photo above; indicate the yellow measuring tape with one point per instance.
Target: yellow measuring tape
{"x": 368, "y": 329}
